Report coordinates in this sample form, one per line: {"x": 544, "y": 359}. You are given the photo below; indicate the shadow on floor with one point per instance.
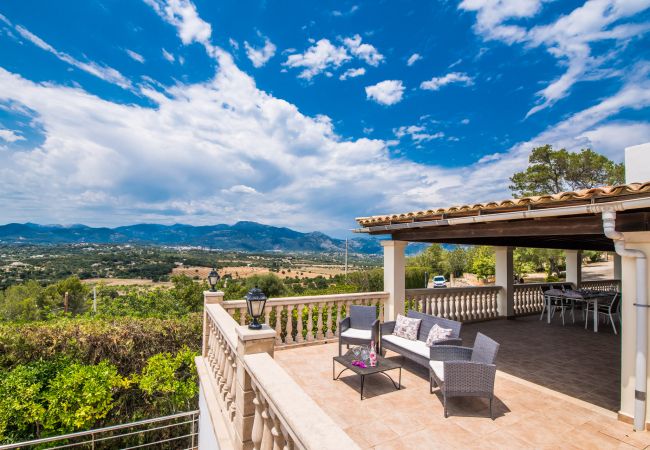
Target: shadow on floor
{"x": 567, "y": 359}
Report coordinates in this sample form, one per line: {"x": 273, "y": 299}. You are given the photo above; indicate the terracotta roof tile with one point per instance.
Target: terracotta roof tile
{"x": 605, "y": 192}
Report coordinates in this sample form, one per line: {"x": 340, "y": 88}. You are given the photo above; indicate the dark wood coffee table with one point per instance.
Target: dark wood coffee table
{"x": 382, "y": 366}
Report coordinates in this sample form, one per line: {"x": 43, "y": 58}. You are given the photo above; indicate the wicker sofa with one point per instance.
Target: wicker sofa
{"x": 418, "y": 350}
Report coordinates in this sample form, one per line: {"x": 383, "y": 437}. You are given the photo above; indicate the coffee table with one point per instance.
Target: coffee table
{"x": 382, "y": 366}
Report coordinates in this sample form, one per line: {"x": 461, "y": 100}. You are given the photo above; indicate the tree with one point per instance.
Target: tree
{"x": 22, "y": 302}
{"x": 551, "y": 171}
{"x": 432, "y": 259}
{"x": 457, "y": 260}
{"x": 77, "y": 294}
{"x": 483, "y": 262}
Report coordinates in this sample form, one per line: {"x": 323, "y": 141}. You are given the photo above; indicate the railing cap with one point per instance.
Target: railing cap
{"x": 246, "y": 334}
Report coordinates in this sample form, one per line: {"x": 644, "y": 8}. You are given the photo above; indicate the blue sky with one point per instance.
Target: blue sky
{"x": 303, "y": 114}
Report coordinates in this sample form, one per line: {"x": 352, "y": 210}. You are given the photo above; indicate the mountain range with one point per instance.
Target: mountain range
{"x": 242, "y": 236}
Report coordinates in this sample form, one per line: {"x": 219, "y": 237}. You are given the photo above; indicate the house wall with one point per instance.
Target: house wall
{"x": 637, "y": 163}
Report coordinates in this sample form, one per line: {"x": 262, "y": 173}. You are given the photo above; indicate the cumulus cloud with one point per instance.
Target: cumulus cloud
{"x": 324, "y": 57}
{"x": 10, "y": 136}
{"x": 365, "y": 52}
{"x": 417, "y": 133}
{"x": 352, "y": 73}
{"x": 135, "y": 56}
{"x": 436, "y": 83}
{"x": 183, "y": 15}
{"x": 260, "y": 56}
{"x": 318, "y": 58}
{"x": 415, "y": 57}
{"x": 386, "y": 92}
{"x": 570, "y": 39}
{"x": 106, "y": 73}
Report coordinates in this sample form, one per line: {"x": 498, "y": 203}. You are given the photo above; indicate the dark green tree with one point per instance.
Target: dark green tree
{"x": 551, "y": 171}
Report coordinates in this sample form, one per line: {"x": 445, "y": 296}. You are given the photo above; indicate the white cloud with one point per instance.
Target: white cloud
{"x": 259, "y": 57}
{"x": 417, "y": 133}
{"x": 318, "y": 58}
{"x": 415, "y": 57}
{"x": 352, "y": 73}
{"x": 168, "y": 56}
{"x": 233, "y": 43}
{"x": 611, "y": 138}
{"x": 569, "y": 39}
{"x": 365, "y": 52}
{"x": 464, "y": 121}
{"x": 135, "y": 56}
{"x": 182, "y": 14}
{"x": 386, "y": 92}
{"x": 106, "y": 73}
{"x": 10, "y": 136}
{"x": 436, "y": 83}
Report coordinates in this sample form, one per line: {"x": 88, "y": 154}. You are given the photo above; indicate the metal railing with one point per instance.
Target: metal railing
{"x": 178, "y": 431}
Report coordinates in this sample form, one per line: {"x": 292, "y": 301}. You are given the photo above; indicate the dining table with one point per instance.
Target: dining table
{"x": 586, "y": 296}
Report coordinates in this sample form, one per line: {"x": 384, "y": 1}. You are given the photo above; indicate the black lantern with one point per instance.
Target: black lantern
{"x": 255, "y": 300}
{"x": 213, "y": 279}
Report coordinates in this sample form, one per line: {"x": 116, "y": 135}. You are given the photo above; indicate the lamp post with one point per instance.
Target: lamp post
{"x": 255, "y": 301}
{"x": 213, "y": 279}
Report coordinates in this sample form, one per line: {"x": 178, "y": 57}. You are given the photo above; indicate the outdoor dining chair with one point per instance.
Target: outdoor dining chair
{"x": 608, "y": 310}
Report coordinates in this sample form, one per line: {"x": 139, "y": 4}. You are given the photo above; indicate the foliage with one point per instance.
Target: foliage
{"x": 77, "y": 295}
{"x": 414, "y": 277}
{"x": 433, "y": 259}
{"x": 457, "y": 260}
{"x": 367, "y": 280}
{"x": 126, "y": 342}
{"x": 80, "y": 395}
{"x": 171, "y": 380}
{"x": 551, "y": 171}
{"x": 22, "y": 302}
{"x": 483, "y": 262}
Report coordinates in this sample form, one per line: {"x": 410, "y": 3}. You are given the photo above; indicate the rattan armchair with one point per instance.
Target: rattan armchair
{"x": 360, "y": 327}
{"x": 463, "y": 371}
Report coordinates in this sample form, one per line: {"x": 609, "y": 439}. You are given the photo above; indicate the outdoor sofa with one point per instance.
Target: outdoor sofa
{"x": 417, "y": 350}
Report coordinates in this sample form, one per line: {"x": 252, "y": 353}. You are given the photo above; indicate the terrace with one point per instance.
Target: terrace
{"x": 556, "y": 386}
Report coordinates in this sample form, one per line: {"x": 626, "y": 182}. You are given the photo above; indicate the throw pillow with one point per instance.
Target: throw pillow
{"x": 437, "y": 334}
{"x": 406, "y": 327}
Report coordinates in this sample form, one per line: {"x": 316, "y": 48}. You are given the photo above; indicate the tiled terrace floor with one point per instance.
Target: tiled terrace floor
{"x": 527, "y": 415}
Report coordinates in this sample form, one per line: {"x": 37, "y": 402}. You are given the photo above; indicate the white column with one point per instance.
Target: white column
{"x": 394, "y": 278}
{"x": 574, "y": 267}
{"x": 504, "y": 277}
{"x": 618, "y": 268}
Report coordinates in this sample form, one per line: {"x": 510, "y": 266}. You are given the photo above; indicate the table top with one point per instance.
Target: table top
{"x": 383, "y": 364}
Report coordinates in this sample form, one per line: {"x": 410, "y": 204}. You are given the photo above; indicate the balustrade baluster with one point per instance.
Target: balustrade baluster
{"x": 329, "y": 333}
{"x": 278, "y": 324}
{"x": 288, "y": 339}
{"x": 267, "y": 316}
{"x": 319, "y": 323}
{"x": 338, "y": 314}
{"x": 242, "y": 316}
{"x": 233, "y": 390}
{"x": 276, "y": 431}
{"x": 227, "y": 379}
{"x": 223, "y": 372}
{"x": 300, "y": 310}
{"x": 258, "y": 425}
{"x": 267, "y": 436}
{"x": 288, "y": 440}
{"x": 310, "y": 322}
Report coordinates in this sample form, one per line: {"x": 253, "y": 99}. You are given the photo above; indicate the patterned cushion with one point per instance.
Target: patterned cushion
{"x": 437, "y": 334}
{"x": 407, "y": 328}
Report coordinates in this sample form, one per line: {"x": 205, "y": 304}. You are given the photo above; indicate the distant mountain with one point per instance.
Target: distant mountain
{"x": 244, "y": 236}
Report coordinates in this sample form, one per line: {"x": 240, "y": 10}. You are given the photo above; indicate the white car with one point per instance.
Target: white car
{"x": 439, "y": 282}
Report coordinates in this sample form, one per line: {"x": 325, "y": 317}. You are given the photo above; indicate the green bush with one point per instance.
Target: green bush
{"x": 126, "y": 342}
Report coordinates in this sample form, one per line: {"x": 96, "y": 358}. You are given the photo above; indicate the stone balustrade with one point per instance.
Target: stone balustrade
{"x": 466, "y": 304}
{"x": 247, "y": 400}
{"x": 313, "y": 318}
{"x": 602, "y": 285}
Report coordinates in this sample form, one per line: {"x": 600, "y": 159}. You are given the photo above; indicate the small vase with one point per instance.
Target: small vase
{"x": 373, "y": 354}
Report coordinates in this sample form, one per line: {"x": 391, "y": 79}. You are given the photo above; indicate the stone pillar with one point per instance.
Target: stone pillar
{"x": 248, "y": 342}
{"x": 209, "y": 297}
{"x": 394, "y": 278}
{"x": 504, "y": 277}
{"x": 574, "y": 267}
{"x": 618, "y": 268}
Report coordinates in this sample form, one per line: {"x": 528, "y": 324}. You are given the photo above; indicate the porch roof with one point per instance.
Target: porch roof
{"x": 568, "y": 220}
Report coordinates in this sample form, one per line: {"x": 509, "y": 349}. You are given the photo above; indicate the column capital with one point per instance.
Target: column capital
{"x": 393, "y": 243}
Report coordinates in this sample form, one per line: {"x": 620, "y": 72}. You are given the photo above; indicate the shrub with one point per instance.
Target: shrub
{"x": 126, "y": 342}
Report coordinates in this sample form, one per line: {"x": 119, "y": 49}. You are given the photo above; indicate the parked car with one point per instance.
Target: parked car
{"x": 439, "y": 282}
